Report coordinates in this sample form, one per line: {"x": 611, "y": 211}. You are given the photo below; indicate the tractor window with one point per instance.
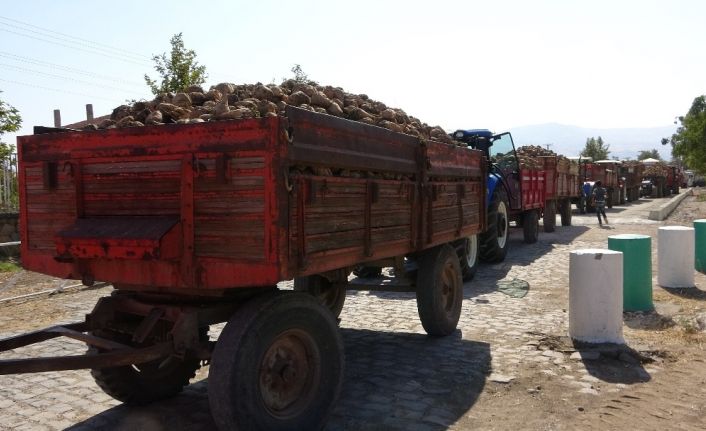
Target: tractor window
{"x": 502, "y": 153}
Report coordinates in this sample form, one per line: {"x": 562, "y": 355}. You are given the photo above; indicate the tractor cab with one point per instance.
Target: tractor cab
{"x": 499, "y": 150}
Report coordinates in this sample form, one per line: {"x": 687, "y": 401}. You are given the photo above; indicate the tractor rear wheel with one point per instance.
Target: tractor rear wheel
{"x": 495, "y": 240}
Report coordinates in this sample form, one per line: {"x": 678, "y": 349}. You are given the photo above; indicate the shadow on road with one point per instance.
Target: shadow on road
{"x": 393, "y": 381}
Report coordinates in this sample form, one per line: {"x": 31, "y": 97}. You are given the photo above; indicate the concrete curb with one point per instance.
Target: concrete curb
{"x": 663, "y": 211}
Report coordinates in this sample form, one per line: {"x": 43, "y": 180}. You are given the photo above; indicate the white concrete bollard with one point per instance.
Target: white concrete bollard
{"x": 675, "y": 256}
{"x": 596, "y": 296}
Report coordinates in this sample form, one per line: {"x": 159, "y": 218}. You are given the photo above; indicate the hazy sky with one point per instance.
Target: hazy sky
{"x": 459, "y": 64}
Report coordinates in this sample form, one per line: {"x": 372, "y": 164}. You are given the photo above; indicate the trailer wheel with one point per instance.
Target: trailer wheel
{"x": 363, "y": 271}
{"x": 277, "y": 365}
{"x": 530, "y": 226}
{"x": 144, "y": 383}
{"x": 468, "y": 257}
{"x": 494, "y": 241}
{"x": 566, "y": 212}
{"x": 331, "y": 296}
{"x": 439, "y": 290}
{"x": 549, "y": 220}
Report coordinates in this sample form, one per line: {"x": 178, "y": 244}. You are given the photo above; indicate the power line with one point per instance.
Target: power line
{"x": 42, "y": 63}
{"x": 91, "y": 51}
{"x": 85, "y": 41}
{"x": 73, "y": 93}
{"x": 67, "y": 78}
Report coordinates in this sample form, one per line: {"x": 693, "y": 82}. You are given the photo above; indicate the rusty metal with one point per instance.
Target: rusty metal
{"x": 115, "y": 358}
{"x": 147, "y": 325}
{"x": 288, "y": 371}
{"x": 36, "y": 336}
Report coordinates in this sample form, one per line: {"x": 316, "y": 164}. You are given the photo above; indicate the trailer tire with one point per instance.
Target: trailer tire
{"x": 141, "y": 384}
{"x": 468, "y": 257}
{"x": 495, "y": 240}
{"x": 439, "y": 290}
{"x": 363, "y": 271}
{"x": 530, "y": 226}
{"x": 566, "y": 212}
{"x": 277, "y": 365}
{"x": 549, "y": 219}
{"x": 329, "y": 295}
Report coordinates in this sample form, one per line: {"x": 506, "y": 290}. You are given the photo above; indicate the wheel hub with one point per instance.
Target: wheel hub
{"x": 288, "y": 372}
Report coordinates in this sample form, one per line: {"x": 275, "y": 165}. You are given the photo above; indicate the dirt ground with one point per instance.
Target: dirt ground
{"x": 659, "y": 384}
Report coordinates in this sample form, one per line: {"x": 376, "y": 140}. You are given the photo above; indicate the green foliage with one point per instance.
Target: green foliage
{"x": 649, "y": 154}
{"x": 596, "y": 149}
{"x": 299, "y": 74}
{"x": 689, "y": 142}
{"x": 9, "y": 267}
{"x": 177, "y": 71}
{"x": 10, "y": 121}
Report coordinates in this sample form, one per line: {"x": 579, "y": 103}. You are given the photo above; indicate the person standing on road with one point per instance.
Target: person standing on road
{"x": 599, "y": 195}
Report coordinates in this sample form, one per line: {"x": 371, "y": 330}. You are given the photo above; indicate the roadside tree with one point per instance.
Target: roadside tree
{"x": 689, "y": 142}
{"x": 649, "y": 154}
{"x": 178, "y": 70}
{"x": 596, "y": 149}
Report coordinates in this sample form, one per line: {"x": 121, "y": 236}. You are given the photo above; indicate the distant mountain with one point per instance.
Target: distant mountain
{"x": 570, "y": 140}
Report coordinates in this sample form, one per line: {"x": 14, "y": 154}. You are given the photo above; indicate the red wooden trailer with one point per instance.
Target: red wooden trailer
{"x": 561, "y": 187}
{"x": 196, "y": 224}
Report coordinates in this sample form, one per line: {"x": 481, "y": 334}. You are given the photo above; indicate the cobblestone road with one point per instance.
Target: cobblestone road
{"x": 397, "y": 378}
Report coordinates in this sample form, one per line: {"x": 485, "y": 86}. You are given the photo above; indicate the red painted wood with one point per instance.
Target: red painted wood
{"x": 241, "y": 217}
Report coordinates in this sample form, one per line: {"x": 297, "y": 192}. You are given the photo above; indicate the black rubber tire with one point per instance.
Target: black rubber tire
{"x": 144, "y": 383}
{"x": 495, "y": 240}
{"x": 439, "y": 290}
{"x": 468, "y": 257}
{"x": 332, "y": 297}
{"x": 277, "y": 365}
{"x": 549, "y": 219}
{"x": 566, "y": 212}
{"x": 530, "y": 226}
{"x": 363, "y": 271}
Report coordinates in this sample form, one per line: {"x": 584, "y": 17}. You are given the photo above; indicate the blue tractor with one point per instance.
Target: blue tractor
{"x": 504, "y": 201}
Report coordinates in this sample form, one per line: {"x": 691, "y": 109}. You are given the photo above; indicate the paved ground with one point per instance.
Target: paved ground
{"x": 509, "y": 366}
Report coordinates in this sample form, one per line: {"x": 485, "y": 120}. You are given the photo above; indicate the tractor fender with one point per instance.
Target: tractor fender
{"x": 493, "y": 181}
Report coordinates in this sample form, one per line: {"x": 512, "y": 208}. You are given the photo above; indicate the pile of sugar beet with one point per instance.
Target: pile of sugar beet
{"x": 228, "y": 101}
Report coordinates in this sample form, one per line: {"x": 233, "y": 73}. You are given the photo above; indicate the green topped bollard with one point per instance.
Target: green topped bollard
{"x": 637, "y": 270}
{"x": 700, "y": 240}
